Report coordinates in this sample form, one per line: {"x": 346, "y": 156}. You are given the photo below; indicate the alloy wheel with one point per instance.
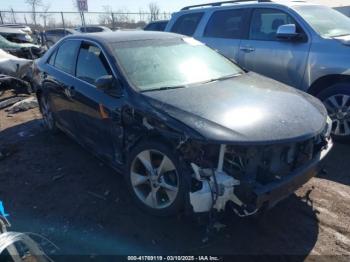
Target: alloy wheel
{"x": 338, "y": 107}
{"x": 47, "y": 114}
{"x": 154, "y": 179}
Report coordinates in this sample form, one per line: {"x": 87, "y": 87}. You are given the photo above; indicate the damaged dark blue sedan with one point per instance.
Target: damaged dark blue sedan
{"x": 187, "y": 127}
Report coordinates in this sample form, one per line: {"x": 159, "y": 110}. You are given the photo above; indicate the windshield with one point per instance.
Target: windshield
{"x": 325, "y": 21}
{"x": 156, "y": 64}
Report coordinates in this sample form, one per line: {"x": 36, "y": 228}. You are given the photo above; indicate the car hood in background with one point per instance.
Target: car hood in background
{"x": 245, "y": 109}
{"x": 6, "y": 44}
{"x": 345, "y": 40}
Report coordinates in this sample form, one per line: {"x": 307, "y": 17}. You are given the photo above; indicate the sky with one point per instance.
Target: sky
{"x": 130, "y": 5}
{"x": 97, "y": 5}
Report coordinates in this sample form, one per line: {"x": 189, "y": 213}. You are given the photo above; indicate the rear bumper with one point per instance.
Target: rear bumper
{"x": 269, "y": 195}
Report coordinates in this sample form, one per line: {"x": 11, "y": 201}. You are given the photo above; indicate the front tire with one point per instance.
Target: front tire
{"x": 336, "y": 98}
{"x": 156, "y": 179}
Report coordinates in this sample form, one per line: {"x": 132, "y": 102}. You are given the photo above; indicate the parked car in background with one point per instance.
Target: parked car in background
{"x": 22, "y": 50}
{"x": 54, "y": 35}
{"x": 156, "y": 25}
{"x": 187, "y": 127}
{"x": 300, "y": 44}
{"x": 24, "y": 28}
{"x": 16, "y": 35}
{"x": 93, "y": 29}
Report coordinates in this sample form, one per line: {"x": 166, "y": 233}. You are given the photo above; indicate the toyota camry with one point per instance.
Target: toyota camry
{"x": 186, "y": 127}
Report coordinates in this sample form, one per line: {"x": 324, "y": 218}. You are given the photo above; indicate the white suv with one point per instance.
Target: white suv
{"x": 304, "y": 45}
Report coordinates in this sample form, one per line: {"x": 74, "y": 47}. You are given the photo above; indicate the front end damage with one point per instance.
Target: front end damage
{"x": 246, "y": 179}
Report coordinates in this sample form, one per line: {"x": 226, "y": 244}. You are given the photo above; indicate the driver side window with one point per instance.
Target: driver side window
{"x": 265, "y": 23}
{"x": 91, "y": 63}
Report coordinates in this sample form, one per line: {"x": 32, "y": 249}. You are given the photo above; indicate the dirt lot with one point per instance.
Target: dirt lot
{"x": 52, "y": 187}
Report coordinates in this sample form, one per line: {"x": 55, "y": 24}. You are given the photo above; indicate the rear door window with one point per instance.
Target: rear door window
{"x": 91, "y": 64}
{"x": 187, "y": 24}
{"x": 227, "y": 24}
{"x": 66, "y": 56}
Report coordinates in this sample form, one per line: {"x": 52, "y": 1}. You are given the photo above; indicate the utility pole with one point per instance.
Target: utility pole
{"x": 64, "y": 26}
{"x": 13, "y": 16}
{"x": 113, "y": 22}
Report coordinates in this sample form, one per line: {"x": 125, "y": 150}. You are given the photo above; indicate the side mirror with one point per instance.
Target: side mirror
{"x": 109, "y": 85}
{"x": 287, "y": 32}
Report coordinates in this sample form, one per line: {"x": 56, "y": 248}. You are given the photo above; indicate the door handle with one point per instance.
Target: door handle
{"x": 247, "y": 49}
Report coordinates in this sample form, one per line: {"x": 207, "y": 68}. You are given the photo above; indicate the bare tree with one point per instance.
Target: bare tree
{"x": 34, "y": 4}
{"x": 51, "y": 22}
{"x": 141, "y": 14}
{"x": 13, "y": 16}
{"x": 154, "y": 11}
{"x": 122, "y": 16}
{"x": 45, "y": 15}
{"x": 106, "y": 17}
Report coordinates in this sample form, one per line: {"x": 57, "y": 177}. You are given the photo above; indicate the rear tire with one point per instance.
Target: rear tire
{"x": 48, "y": 117}
{"x": 336, "y": 98}
{"x": 156, "y": 179}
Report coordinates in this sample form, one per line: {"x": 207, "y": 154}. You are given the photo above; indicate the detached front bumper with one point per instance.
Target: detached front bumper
{"x": 269, "y": 195}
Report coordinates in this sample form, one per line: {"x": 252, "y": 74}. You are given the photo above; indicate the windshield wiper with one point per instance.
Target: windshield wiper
{"x": 218, "y": 79}
{"x": 198, "y": 83}
{"x": 164, "y": 88}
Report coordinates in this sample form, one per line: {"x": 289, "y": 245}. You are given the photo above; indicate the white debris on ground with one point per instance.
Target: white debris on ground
{"x": 6, "y": 102}
{"x": 23, "y": 105}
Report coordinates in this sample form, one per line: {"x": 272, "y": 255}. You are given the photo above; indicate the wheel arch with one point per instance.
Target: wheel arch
{"x": 39, "y": 94}
{"x": 325, "y": 81}
{"x": 152, "y": 136}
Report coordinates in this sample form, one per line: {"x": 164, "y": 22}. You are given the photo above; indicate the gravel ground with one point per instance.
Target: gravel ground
{"x": 53, "y": 187}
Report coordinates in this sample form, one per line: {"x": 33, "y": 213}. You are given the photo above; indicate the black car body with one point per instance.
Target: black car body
{"x": 241, "y": 141}
{"x": 52, "y": 36}
{"x": 93, "y": 29}
{"x": 156, "y": 25}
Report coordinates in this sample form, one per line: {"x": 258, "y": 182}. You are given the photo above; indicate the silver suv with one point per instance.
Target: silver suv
{"x": 304, "y": 45}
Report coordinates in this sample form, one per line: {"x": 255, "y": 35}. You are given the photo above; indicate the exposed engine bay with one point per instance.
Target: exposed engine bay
{"x": 247, "y": 179}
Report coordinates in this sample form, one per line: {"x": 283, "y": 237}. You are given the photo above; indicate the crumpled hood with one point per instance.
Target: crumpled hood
{"x": 245, "y": 109}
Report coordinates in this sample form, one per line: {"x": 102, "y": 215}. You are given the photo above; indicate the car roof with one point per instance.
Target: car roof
{"x": 14, "y": 25}
{"x": 159, "y": 21}
{"x": 241, "y": 3}
{"x": 11, "y": 30}
{"x": 93, "y": 26}
{"x": 60, "y": 28}
{"x": 122, "y": 36}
